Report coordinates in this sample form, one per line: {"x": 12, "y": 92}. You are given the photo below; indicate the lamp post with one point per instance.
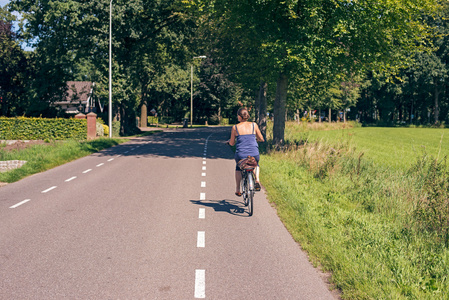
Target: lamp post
{"x": 191, "y": 90}
{"x": 110, "y": 69}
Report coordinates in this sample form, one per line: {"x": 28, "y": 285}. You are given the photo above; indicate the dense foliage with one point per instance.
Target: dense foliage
{"x": 22, "y": 128}
{"x": 383, "y": 59}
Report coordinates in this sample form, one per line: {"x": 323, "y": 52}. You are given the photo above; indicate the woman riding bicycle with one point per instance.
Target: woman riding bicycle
{"x": 245, "y": 136}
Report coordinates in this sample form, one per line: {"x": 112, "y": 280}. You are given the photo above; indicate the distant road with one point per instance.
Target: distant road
{"x": 155, "y": 218}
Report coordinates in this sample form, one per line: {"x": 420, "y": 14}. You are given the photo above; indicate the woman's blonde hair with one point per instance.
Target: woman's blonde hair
{"x": 243, "y": 113}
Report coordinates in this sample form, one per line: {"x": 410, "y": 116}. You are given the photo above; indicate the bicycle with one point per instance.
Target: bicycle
{"x": 248, "y": 189}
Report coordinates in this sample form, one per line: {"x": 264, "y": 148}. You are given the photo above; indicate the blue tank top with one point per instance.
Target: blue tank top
{"x": 246, "y": 144}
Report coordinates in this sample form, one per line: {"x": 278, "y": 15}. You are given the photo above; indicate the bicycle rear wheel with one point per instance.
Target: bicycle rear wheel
{"x": 250, "y": 193}
{"x": 243, "y": 188}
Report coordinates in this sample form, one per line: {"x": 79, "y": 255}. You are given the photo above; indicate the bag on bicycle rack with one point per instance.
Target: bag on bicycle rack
{"x": 247, "y": 163}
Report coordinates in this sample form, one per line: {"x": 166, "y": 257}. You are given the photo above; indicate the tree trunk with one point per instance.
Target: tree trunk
{"x": 257, "y": 105}
{"x": 262, "y": 120}
{"x": 279, "y": 109}
{"x": 144, "y": 113}
{"x": 122, "y": 119}
{"x": 437, "y": 108}
{"x": 319, "y": 115}
{"x": 330, "y": 115}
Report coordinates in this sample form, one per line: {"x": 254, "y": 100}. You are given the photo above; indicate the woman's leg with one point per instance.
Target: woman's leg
{"x": 256, "y": 172}
{"x": 238, "y": 178}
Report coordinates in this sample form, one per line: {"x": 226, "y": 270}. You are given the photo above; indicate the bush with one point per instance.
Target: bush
{"x": 224, "y": 121}
{"x": 153, "y": 120}
{"x": 105, "y": 129}
{"x": 116, "y": 128}
{"x": 22, "y": 128}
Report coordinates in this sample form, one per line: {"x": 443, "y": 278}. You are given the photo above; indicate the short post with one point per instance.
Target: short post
{"x": 91, "y": 125}
{"x": 80, "y": 116}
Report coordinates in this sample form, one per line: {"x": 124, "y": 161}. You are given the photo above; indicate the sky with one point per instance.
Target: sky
{"x": 3, "y": 2}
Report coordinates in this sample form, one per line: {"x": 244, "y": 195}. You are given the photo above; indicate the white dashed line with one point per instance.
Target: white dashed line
{"x": 200, "y": 284}
{"x": 202, "y": 213}
{"x": 20, "y": 203}
{"x": 49, "y": 189}
{"x": 87, "y": 171}
{"x": 203, "y": 183}
{"x": 126, "y": 152}
{"x": 204, "y": 168}
{"x": 204, "y": 162}
{"x": 202, "y": 196}
{"x": 201, "y": 240}
{"x": 70, "y": 179}
{"x": 203, "y": 174}
{"x": 99, "y": 165}
{"x": 111, "y": 159}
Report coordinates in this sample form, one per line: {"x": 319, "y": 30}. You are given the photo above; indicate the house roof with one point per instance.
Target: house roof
{"x": 78, "y": 91}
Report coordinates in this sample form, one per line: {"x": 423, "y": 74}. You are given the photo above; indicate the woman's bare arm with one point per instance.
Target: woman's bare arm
{"x": 233, "y": 135}
{"x": 259, "y": 136}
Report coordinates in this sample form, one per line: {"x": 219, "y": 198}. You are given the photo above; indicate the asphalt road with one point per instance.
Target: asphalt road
{"x": 155, "y": 218}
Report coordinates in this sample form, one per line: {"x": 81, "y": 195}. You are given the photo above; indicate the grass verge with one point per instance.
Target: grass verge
{"x": 381, "y": 231}
{"x": 44, "y": 157}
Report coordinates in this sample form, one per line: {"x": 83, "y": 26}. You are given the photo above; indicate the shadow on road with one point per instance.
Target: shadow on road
{"x": 178, "y": 143}
{"x": 229, "y": 206}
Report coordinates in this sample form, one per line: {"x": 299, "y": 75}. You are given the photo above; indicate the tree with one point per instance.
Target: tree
{"x": 312, "y": 36}
{"x": 146, "y": 35}
{"x": 13, "y": 69}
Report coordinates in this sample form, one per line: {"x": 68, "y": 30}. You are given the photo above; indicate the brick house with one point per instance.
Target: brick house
{"x": 78, "y": 98}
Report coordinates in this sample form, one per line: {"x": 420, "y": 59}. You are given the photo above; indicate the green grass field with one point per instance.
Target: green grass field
{"x": 379, "y": 222}
{"x": 392, "y": 147}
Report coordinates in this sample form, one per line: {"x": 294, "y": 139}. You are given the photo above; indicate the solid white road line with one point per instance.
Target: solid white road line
{"x": 202, "y": 196}
{"x": 201, "y": 240}
{"x": 70, "y": 179}
{"x": 203, "y": 183}
{"x": 87, "y": 171}
{"x": 202, "y": 213}
{"x": 20, "y": 203}
{"x": 99, "y": 165}
{"x": 49, "y": 189}
{"x": 200, "y": 283}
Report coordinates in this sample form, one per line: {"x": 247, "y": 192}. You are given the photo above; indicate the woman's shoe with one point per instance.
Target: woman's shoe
{"x": 257, "y": 186}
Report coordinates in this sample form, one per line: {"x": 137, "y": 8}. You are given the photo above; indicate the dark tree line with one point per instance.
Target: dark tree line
{"x": 383, "y": 60}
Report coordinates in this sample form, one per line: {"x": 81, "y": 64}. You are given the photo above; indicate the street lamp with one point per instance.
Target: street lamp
{"x": 110, "y": 69}
{"x": 191, "y": 89}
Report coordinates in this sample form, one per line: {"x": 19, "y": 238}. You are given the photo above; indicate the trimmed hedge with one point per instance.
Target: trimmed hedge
{"x": 22, "y": 128}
